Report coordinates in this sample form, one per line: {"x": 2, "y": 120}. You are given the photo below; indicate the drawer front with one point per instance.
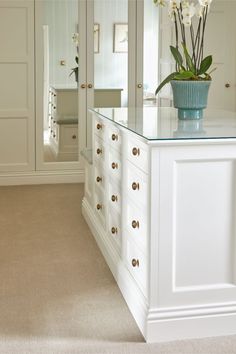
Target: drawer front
{"x": 114, "y": 196}
{"x": 138, "y": 154}
{"x": 100, "y": 205}
{"x": 137, "y": 185}
{"x": 99, "y": 177}
{"x": 99, "y": 151}
{"x": 99, "y": 127}
{"x": 114, "y": 164}
{"x": 137, "y": 265}
{"x": 114, "y": 137}
{"x": 68, "y": 136}
{"x": 114, "y": 228}
{"x": 136, "y": 225}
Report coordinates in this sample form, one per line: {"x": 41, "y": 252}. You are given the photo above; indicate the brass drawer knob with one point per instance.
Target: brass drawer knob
{"x": 136, "y": 151}
{"x": 74, "y": 136}
{"x": 114, "y": 198}
{"x": 135, "y": 186}
{"x": 99, "y": 179}
{"x": 99, "y": 126}
{"x": 135, "y": 262}
{"x": 99, "y": 151}
{"x": 83, "y": 86}
{"x": 114, "y": 165}
{"x": 99, "y": 206}
{"x": 114, "y": 230}
{"x": 90, "y": 85}
{"x": 135, "y": 224}
{"x": 114, "y": 137}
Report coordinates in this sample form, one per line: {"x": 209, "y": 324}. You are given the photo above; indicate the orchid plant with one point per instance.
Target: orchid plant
{"x": 190, "y": 64}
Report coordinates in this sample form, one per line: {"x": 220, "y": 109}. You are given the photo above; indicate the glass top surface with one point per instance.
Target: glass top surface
{"x": 162, "y": 123}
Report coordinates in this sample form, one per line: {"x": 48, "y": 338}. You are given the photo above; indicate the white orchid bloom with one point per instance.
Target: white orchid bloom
{"x": 185, "y": 4}
{"x": 160, "y": 2}
{"x": 199, "y": 10}
{"x": 189, "y": 11}
{"x": 187, "y": 21}
{"x": 204, "y": 2}
{"x": 75, "y": 38}
{"x": 174, "y": 4}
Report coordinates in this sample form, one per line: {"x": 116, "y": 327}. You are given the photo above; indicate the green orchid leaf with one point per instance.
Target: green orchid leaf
{"x": 205, "y": 64}
{"x": 166, "y": 81}
{"x": 188, "y": 59}
{"x": 176, "y": 54}
{"x": 186, "y": 75}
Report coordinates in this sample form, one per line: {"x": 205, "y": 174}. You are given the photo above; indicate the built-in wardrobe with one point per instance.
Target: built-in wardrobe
{"x": 44, "y": 117}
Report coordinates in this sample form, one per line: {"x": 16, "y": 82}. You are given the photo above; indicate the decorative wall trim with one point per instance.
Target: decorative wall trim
{"x": 41, "y": 177}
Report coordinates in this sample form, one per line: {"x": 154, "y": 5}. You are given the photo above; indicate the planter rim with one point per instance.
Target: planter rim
{"x": 193, "y": 81}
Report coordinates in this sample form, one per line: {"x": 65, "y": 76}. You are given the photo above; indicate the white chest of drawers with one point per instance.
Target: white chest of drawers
{"x": 162, "y": 212}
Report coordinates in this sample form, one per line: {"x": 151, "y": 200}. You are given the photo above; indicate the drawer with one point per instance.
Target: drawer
{"x": 114, "y": 164}
{"x": 100, "y": 205}
{"x": 68, "y": 137}
{"x": 99, "y": 127}
{"x": 137, "y": 185}
{"x": 138, "y": 154}
{"x": 114, "y": 196}
{"x": 99, "y": 177}
{"x": 137, "y": 265}
{"x": 99, "y": 150}
{"x": 114, "y": 137}
{"x": 114, "y": 228}
{"x": 136, "y": 225}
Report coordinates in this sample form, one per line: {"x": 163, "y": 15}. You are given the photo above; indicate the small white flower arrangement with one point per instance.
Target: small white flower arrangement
{"x": 190, "y": 62}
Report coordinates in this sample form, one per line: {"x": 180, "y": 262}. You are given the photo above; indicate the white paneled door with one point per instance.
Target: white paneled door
{"x": 17, "y": 85}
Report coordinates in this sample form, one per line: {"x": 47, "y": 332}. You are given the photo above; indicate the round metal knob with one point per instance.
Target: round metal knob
{"x": 99, "y": 179}
{"x": 114, "y": 137}
{"x": 114, "y": 165}
{"x": 54, "y": 135}
{"x": 99, "y": 126}
{"x": 114, "y": 230}
{"x": 114, "y": 198}
{"x": 135, "y": 151}
{"x": 90, "y": 85}
{"x": 135, "y": 224}
{"x": 74, "y": 136}
{"x": 135, "y": 186}
{"x": 139, "y": 85}
{"x": 99, "y": 206}
{"x": 99, "y": 151}
{"x": 227, "y": 85}
{"x": 135, "y": 262}
{"x": 83, "y": 86}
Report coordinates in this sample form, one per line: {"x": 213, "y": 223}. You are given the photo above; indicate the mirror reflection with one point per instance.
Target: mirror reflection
{"x": 60, "y": 41}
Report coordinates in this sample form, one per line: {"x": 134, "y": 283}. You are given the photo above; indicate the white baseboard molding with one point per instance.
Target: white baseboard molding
{"x": 41, "y": 177}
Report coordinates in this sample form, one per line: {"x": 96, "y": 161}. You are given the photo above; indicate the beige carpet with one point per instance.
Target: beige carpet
{"x": 56, "y": 293}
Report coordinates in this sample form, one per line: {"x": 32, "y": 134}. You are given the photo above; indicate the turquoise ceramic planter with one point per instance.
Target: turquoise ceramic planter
{"x": 190, "y": 97}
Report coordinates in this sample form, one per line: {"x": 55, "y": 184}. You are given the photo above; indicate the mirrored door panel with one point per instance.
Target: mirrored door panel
{"x": 150, "y": 52}
{"x": 60, "y": 80}
{"x": 110, "y": 53}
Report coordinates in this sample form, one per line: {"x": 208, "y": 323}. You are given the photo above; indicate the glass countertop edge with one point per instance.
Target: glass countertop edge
{"x": 172, "y": 138}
